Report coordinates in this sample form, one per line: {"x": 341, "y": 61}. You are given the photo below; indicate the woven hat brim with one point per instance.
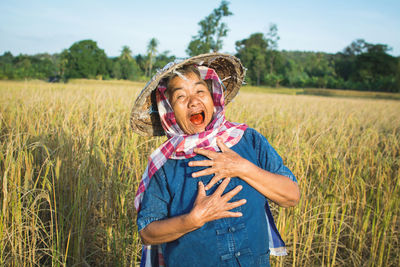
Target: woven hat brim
{"x": 144, "y": 117}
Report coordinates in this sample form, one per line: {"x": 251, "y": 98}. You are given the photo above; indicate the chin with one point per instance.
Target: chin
{"x": 195, "y": 131}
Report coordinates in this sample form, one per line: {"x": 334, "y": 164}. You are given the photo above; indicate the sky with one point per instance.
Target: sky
{"x": 49, "y": 26}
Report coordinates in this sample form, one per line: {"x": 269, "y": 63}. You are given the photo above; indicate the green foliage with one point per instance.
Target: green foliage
{"x": 259, "y": 54}
{"x": 163, "y": 59}
{"x": 40, "y": 66}
{"x": 252, "y": 53}
{"x": 308, "y": 69}
{"x": 84, "y": 59}
{"x": 151, "y": 53}
{"x": 141, "y": 60}
{"x": 360, "y": 66}
{"x": 366, "y": 66}
{"x": 160, "y": 60}
{"x": 126, "y": 53}
{"x": 125, "y": 66}
{"x": 125, "y": 69}
{"x": 273, "y": 57}
{"x": 376, "y": 68}
{"x": 6, "y": 66}
{"x": 212, "y": 30}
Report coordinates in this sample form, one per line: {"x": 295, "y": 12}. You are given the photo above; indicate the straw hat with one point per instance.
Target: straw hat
{"x": 144, "y": 117}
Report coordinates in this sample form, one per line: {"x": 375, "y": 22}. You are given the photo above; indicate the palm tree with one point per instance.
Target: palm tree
{"x": 126, "y": 53}
{"x": 151, "y": 52}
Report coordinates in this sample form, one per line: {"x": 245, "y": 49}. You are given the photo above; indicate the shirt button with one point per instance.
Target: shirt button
{"x": 237, "y": 254}
{"x": 232, "y": 229}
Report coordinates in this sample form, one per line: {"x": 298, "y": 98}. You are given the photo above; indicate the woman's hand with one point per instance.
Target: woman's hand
{"x": 216, "y": 206}
{"x": 205, "y": 209}
{"x": 225, "y": 164}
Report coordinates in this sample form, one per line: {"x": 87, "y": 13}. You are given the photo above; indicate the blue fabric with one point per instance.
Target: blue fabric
{"x": 225, "y": 242}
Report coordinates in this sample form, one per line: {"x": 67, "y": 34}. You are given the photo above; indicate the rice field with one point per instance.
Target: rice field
{"x": 70, "y": 165}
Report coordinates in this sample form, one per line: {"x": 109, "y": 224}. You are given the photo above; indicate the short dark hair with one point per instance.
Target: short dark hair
{"x": 184, "y": 70}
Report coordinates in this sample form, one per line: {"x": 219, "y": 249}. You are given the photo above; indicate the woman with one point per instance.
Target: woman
{"x": 203, "y": 197}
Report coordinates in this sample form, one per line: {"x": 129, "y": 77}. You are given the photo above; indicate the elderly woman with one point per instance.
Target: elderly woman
{"x": 203, "y": 197}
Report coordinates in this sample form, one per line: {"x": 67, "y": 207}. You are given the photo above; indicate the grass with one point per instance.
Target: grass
{"x": 322, "y": 92}
{"x": 349, "y": 93}
{"x": 270, "y": 90}
{"x": 70, "y": 165}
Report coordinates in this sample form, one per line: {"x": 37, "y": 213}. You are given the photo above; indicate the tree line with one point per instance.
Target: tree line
{"x": 84, "y": 59}
{"x": 360, "y": 65}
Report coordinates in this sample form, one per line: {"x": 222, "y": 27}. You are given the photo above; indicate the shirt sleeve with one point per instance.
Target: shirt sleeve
{"x": 154, "y": 206}
{"x": 269, "y": 159}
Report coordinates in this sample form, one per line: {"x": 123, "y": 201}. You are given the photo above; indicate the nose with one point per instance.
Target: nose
{"x": 193, "y": 101}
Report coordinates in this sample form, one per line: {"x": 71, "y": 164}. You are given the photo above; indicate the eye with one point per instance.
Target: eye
{"x": 179, "y": 97}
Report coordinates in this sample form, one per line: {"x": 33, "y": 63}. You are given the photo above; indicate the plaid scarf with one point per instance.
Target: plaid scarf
{"x": 180, "y": 146}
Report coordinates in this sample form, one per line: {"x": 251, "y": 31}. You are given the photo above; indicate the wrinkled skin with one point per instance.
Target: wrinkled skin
{"x": 190, "y": 97}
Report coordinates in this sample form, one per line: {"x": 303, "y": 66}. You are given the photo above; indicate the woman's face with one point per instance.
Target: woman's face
{"x": 192, "y": 103}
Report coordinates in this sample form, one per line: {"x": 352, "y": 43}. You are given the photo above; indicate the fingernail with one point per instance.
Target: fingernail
{"x": 190, "y": 163}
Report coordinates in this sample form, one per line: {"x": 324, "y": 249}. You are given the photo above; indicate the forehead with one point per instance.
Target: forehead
{"x": 187, "y": 76}
{"x": 183, "y": 81}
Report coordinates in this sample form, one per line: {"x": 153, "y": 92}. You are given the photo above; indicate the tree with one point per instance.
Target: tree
{"x": 141, "y": 60}
{"x": 212, "y": 30}
{"x": 125, "y": 66}
{"x": 366, "y": 66}
{"x": 376, "y": 69}
{"x": 6, "y": 66}
{"x": 272, "y": 47}
{"x": 126, "y": 53}
{"x": 39, "y": 66}
{"x": 294, "y": 73}
{"x": 252, "y": 53}
{"x": 163, "y": 59}
{"x": 62, "y": 64}
{"x": 356, "y": 48}
{"x": 273, "y": 57}
{"x": 151, "y": 53}
{"x": 85, "y": 60}
{"x": 116, "y": 70}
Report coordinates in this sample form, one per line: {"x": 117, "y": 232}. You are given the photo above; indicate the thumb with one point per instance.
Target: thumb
{"x": 221, "y": 145}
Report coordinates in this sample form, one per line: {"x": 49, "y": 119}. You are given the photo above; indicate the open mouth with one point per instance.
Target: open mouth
{"x": 197, "y": 118}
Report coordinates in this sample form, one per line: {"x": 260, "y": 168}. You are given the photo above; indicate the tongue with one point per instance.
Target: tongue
{"x": 196, "y": 119}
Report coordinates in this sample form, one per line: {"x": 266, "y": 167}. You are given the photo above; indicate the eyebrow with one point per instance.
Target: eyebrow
{"x": 171, "y": 91}
{"x": 174, "y": 89}
{"x": 201, "y": 82}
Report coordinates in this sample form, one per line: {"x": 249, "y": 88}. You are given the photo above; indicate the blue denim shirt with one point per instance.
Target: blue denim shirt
{"x": 239, "y": 241}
